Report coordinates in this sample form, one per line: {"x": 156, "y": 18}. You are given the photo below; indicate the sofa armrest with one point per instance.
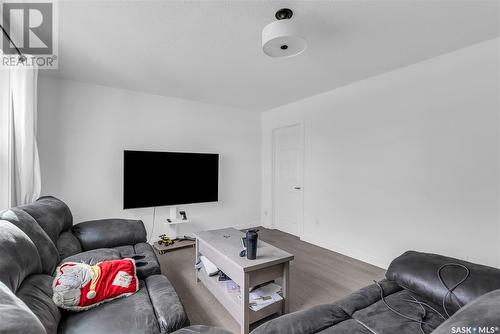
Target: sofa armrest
{"x": 482, "y": 312}
{"x": 107, "y": 233}
{"x": 166, "y": 304}
{"x": 309, "y": 321}
{"x": 16, "y": 317}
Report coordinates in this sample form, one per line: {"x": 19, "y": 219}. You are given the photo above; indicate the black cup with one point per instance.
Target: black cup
{"x": 252, "y": 238}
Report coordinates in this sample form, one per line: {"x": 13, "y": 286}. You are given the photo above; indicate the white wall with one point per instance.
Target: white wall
{"x": 83, "y": 130}
{"x": 405, "y": 160}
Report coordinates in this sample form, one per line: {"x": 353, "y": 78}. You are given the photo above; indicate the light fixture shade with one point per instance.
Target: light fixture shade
{"x": 283, "y": 38}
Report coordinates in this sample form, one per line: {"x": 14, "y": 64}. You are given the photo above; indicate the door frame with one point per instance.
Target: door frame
{"x": 273, "y": 173}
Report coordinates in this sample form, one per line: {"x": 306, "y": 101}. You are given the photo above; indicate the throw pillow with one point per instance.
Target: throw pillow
{"x": 79, "y": 286}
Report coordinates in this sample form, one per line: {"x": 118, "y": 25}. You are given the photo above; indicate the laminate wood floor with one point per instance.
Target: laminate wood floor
{"x": 317, "y": 276}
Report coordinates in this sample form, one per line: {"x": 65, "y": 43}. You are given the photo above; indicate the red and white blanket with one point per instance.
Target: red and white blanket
{"x": 79, "y": 286}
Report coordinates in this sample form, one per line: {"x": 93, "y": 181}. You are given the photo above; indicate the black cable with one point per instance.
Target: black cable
{"x": 22, "y": 57}
{"x": 420, "y": 321}
{"x": 450, "y": 290}
{"x": 425, "y": 304}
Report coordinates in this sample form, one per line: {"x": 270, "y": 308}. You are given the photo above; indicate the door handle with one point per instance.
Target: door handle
{"x": 297, "y": 188}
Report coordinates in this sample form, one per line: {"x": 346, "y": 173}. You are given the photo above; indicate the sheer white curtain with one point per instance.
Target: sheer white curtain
{"x": 20, "y": 165}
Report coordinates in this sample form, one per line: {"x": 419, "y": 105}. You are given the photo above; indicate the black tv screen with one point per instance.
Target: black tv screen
{"x": 169, "y": 178}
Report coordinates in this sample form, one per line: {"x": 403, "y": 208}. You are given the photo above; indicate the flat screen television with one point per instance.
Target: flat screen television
{"x": 169, "y": 178}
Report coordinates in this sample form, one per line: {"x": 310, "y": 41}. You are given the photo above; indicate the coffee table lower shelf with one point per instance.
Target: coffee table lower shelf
{"x": 232, "y": 303}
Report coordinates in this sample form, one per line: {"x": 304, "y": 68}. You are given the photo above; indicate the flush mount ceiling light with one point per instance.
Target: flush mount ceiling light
{"x": 283, "y": 38}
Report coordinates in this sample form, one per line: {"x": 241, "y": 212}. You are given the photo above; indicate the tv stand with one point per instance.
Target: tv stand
{"x": 174, "y": 220}
{"x": 178, "y": 244}
{"x": 173, "y": 223}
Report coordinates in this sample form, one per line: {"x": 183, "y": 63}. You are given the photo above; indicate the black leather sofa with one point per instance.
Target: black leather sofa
{"x": 35, "y": 238}
{"x": 411, "y": 278}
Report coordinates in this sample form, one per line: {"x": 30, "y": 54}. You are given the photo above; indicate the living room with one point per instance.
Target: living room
{"x": 354, "y": 145}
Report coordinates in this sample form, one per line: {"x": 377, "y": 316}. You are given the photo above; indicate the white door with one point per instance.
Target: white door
{"x": 288, "y": 176}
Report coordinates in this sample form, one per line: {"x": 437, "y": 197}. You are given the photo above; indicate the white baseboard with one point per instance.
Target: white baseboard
{"x": 368, "y": 258}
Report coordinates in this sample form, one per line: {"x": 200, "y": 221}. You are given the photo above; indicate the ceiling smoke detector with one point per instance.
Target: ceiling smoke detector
{"x": 283, "y": 38}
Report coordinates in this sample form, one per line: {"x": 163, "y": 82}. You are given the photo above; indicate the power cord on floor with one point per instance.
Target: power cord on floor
{"x": 449, "y": 292}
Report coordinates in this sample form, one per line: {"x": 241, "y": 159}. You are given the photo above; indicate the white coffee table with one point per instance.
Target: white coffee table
{"x": 222, "y": 247}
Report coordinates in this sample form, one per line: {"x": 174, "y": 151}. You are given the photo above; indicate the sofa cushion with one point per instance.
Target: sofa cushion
{"x": 94, "y": 256}
{"x": 166, "y": 304}
{"x": 68, "y": 245}
{"x": 15, "y": 316}
{"x": 483, "y": 312}
{"x": 36, "y": 293}
{"x": 146, "y": 265}
{"x": 417, "y": 272}
{"x": 349, "y": 326}
{"x": 309, "y": 321}
{"x": 52, "y": 214}
{"x": 380, "y": 319}
{"x": 125, "y": 251}
{"x": 366, "y": 296}
{"x": 18, "y": 256}
{"x": 117, "y": 232}
{"x": 133, "y": 314}
{"x": 149, "y": 265}
{"x": 46, "y": 248}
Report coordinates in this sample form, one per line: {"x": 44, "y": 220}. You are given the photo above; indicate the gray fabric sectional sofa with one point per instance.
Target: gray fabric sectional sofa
{"x": 35, "y": 238}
